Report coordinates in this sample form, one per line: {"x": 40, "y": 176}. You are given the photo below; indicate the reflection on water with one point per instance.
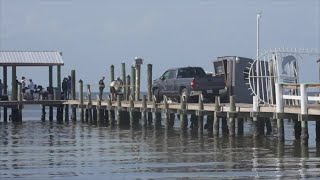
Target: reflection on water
{"x": 36, "y": 150}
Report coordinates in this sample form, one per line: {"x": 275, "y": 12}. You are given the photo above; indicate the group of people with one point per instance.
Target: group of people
{"x": 116, "y": 87}
{"x": 28, "y": 88}
{"x": 66, "y": 87}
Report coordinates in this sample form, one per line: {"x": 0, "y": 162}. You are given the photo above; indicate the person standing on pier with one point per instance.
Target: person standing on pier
{"x": 65, "y": 87}
{"x": 69, "y": 87}
{"x": 101, "y": 87}
{"x": 31, "y": 87}
{"x": 23, "y": 84}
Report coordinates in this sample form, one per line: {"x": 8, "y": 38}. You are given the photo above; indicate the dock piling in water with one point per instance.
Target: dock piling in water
{"x": 73, "y": 94}
{"x": 183, "y": 114}
{"x": 215, "y": 116}
{"x": 81, "y": 101}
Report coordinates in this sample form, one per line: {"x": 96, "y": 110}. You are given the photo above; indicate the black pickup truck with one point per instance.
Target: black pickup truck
{"x": 189, "y": 82}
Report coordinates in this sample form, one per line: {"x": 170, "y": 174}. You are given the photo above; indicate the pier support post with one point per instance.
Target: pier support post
{"x": 51, "y": 88}
{"x": 117, "y": 112}
{"x": 43, "y": 113}
{"x": 89, "y": 105}
{"x": 279, "y": 110}
{"x": 133, "y": 83}
{"x": 131, "y": 109}
{"x": 149, "y": 79}
{"x": 304, "y": 114}
{"x": 138, "y": 76}
{"x": 200, "y": 115}
{"x": 5, "y": 92}
{"x": 99, "y": 112}
{"x": 20, "y": 106}
{"x": 156, "y": 115}
{"x": 111, "y": 73}
{"x": 231, "y": 114}
{"x": 297, "y": 128}
{"x": 224, "y": 126}
{"x": 128, "y": 85}
{"x": 215, "y": 116}
{"x": 144, "y": 111}
{"x": 240, "y": 123}
{"x": 317, "y": 131}
{"x": 73, "y": 94}
{"x": 193, "y": 121}
{"x": 255, "y": 116}
{"x": 166, "y": 111}
{"x": 81, "y": 101}
{"x": 110, "y": 111}
{"x": 183, "y": 114}
{"x": 124, "y": 80}
{"x": 304, "y": 132}
{"x": 66, "y": 112}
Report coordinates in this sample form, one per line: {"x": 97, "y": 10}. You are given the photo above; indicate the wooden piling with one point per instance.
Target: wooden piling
{"x": 51, "y": 88}
{"x": 215, "y": 116}
{"x": 43, "y": 113}
{"x": 155, "y": 114}
{"x": 166, "y": 111}
{"x": 240, "y": 123}
{"x": 255, "y": 109}
{"x": 149, "y": 81}
{"x": 231, "y": 118}
{"x": 14, "y": 84}
{"x": 128, "y": 85}
{"x": 183, "y": 114}
{"x": 138, "y": 76}
{"x": 89, "y": 105}
{"x": 131, "y": 109}
{"x": 144, "y": 111}
{"x": 119, "y": 115}
{"x": 279, "y": 111}
{"x": 81, "y": 101}
{"x": 317, "y": 131}
{"x": 304, "y": 132}
{"x": 224, "y": 126}
{"x": 59, "y": 80}
{"x": 133, "y": 82}
{"x": 110, "y": 111}
{"x": 99, "y": 112}
{"x": 124, "y": 80}
{"x": 5, "y": 92}
{"x": 297, "y": 128}
{"x": 304, "y": 114}
{"x": 66, "y": 113}
{"x": 111, "y": 73}
{"x": 20, "y": 106}
{"x": 73, "y": 94}
{"x": 200, "y": 115}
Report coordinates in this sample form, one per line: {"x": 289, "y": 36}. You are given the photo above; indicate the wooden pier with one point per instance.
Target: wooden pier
{"x": 228, "y": 117}
{"x": 134, "y": 109}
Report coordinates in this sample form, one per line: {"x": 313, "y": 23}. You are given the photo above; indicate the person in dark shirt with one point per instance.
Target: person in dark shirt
{"x": 69, "y": 87}
{"x": 101, "y": 87}
{"x": 65, "y": 87}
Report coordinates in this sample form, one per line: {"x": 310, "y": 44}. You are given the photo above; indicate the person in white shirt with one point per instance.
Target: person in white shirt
{"x": 31, "y": 87}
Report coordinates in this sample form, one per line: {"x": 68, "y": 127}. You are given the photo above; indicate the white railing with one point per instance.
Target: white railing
{"x": 303, "y": 97}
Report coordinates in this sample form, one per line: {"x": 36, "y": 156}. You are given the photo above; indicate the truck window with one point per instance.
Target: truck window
{"x": 172, "y": 74}
{"x": 166, "y": 75}
{"x": 191, "y": 72}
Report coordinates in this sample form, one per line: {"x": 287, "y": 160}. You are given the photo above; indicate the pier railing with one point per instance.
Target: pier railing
{"x": 302, "y": 97}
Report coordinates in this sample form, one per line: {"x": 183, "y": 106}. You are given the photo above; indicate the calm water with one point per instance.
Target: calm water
{"x": 43, "y": 150}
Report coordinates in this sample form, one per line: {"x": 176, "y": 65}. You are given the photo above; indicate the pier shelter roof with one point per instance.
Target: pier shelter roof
{"x": 31, "y": 58}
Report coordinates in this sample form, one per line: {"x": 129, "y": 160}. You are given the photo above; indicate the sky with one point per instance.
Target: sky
{"x": 169, "y": 33}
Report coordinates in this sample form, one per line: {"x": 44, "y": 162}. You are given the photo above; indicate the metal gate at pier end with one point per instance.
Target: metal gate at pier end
{"x": 279, "y": 65}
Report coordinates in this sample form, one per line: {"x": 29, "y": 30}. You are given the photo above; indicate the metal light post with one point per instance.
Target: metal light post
{"x": 319, "y": 69}
{"x": 257, "y": 60}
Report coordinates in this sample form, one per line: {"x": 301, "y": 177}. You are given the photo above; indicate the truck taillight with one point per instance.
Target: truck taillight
{"x": 193, "y": 84}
